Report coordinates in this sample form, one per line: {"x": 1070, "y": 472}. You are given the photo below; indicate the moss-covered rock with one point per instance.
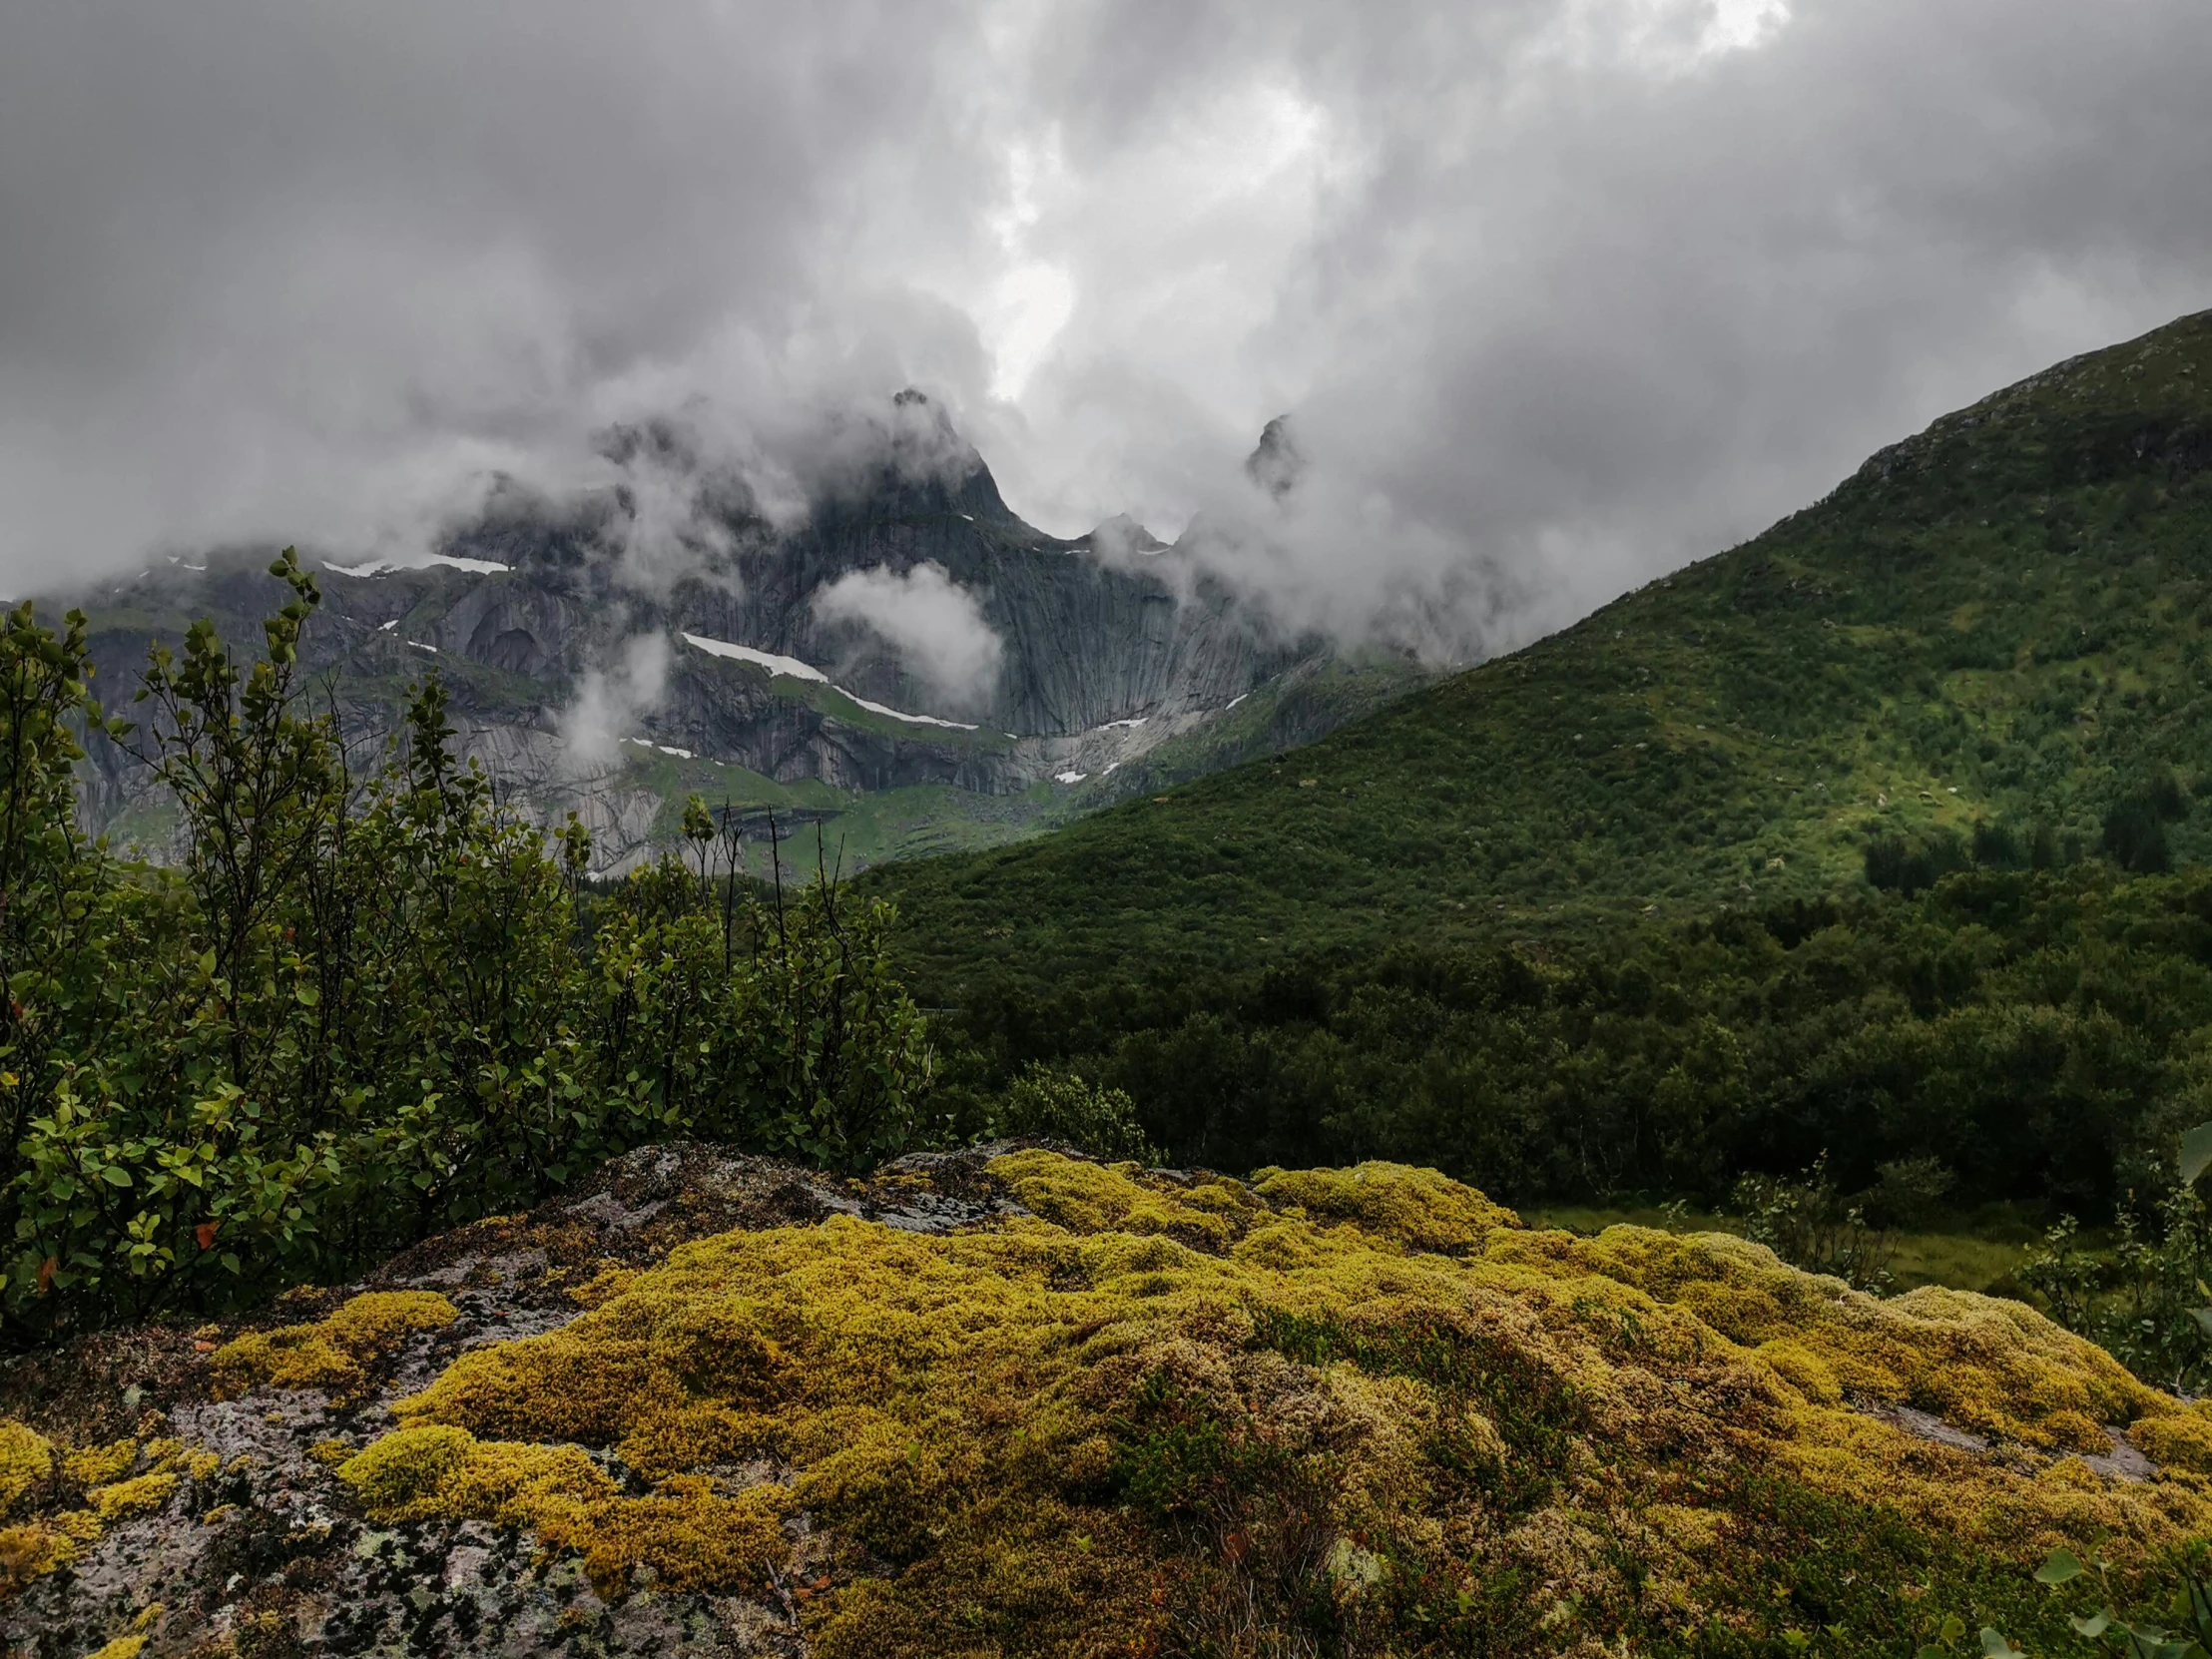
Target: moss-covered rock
{"x": 1034, "y": 1405}
{"x": 1354, "y": 1401}
{"x": 334, "y": 1354}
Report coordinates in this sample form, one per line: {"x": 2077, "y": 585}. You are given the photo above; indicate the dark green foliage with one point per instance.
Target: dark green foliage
{"x": 363, "y": 1010}
{"x": 1912, "y": 864}
{"x": 1859, "y": 836}
{"x": 1806, "y": 1223}
{"x": 1058, "y": 1105}
{"x": 2017, "y": 1034}
{"x": 2135, "y": 824}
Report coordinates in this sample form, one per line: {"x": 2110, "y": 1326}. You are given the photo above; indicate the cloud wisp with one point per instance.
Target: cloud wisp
{"x": 934, "y": 626}
{"x": 610, "y": 702}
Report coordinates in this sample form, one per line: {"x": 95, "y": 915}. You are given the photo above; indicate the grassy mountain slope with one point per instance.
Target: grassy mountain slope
{"x": 1596, "y": 920}
{"x": 2000, "y": 623}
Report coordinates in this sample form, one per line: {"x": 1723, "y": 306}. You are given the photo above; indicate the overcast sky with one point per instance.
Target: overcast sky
{"x": 1562, "y": 292}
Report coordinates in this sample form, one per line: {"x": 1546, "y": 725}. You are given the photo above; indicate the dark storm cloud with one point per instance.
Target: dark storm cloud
{"x": 1594, "y": 304}
{"x": 301, "y": 269}
{"x": 1562, "y": 291}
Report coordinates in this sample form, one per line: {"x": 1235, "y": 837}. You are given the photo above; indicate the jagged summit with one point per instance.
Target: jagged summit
{"x": 1277, "y": 463}
{"x": 1122, "y": 535}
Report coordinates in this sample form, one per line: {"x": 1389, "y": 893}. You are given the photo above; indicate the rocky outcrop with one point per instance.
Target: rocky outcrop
{"x": 1016, "y": 1401}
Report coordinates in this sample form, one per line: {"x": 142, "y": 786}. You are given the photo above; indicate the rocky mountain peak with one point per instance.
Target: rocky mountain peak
{"x": 899, "y": 628}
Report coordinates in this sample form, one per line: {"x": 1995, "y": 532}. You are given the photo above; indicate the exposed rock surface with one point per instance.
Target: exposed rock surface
{"x": 1109, "y": 646}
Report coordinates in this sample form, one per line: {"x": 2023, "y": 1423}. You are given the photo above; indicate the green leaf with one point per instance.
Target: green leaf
{"x": 1954, "y": 1628}
{"x": 2062, "y": 1568}
{"x": 2196, "y": 1152}
{"x": 115, "y": 1175}
{"x": 1996, "y": 1647}
{"x": 1931, "y": 1651}
{"x": 2093, "y": 1626}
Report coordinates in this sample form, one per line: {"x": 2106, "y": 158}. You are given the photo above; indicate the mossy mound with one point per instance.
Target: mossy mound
{"x": 1355, "y": 1412}
{"x": 334, "y": 1354}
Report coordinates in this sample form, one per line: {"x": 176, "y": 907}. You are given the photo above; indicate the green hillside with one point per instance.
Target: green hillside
{"x": 1984, "y": 652}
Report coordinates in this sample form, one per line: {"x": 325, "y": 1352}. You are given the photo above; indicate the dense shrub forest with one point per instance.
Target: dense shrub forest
{"x": 2040, "y": 1037}
{"x": 366, "y": 1007}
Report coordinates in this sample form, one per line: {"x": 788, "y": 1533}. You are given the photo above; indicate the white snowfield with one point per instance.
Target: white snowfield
{"x": 793, "y": 668}
{"x": 768, "y": 660}
{"x": 1069, "y": 776}
{"x": 378, "y": 567}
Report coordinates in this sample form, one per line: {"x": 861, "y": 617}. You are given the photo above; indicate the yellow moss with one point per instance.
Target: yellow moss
{"x": 31, "y": 1551}
{"x": 200, "y": 1465}
{"x": 885, "y": 1485}
{"x": 1095, "y": 1198}
{"x": 2178, "y": 1440}
{"x": 1802, "y": 1369}
{"x": 1380, "y": 1352}
{"x": 330, "y": 1452}
{"x": 1685, "y": 1526}
{"x": 81, "y": 1525}
{"x": 97, "y": 1465}
{"x": 26, "y": 1460}
{"x": 404, "y": 1476}
{"x": 126, "y": 1498}
{"x": 1996, "y": 1368}
{"x": 122, "y": 1647}
{"x": 1417, "y": 1207}
{"x": 604, "y": 1285}
{"x": 331, "y": 1355}
{"x": 291, "y": 1357}
{"x": 689, "y": 1533}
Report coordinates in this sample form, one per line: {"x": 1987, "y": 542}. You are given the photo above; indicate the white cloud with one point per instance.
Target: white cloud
{"x": 934, "y": 625}
{"x": 608, "y": 703}
{"x": 1564, "y": 291}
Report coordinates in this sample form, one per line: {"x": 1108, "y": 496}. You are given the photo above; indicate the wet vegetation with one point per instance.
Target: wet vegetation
{"x": 366, "y": 1007}
{"x": 1879, "y": 835}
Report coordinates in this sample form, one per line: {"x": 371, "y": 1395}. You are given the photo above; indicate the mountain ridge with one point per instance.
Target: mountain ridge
{"x": 1098, "y": 654}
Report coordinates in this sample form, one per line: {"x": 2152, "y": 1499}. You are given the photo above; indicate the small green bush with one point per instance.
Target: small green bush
{"x": 1061, "y": 1105}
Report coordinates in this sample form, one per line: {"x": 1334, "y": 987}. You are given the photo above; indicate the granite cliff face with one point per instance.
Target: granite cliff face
{"x": 603, "y": 661}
